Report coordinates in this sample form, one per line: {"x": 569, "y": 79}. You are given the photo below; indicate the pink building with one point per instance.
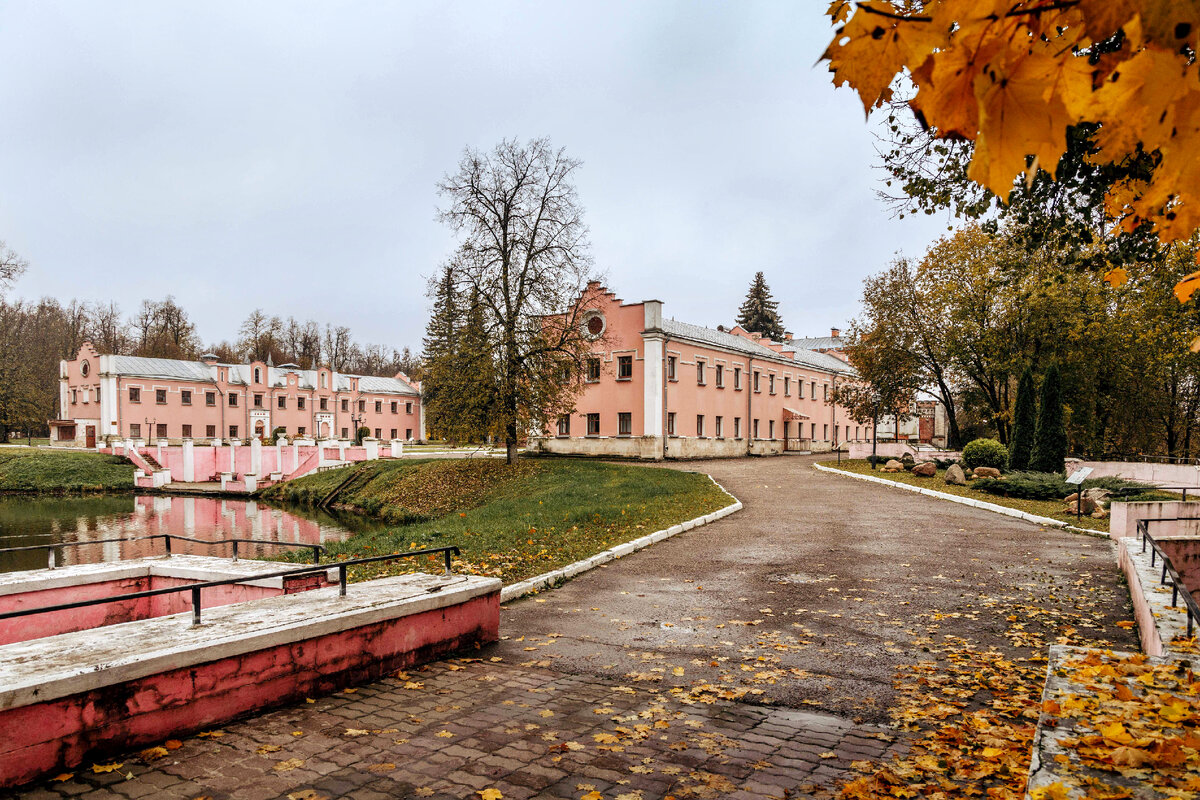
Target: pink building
{"x": 107, "y": 397}
{"x": 656, "y": 388}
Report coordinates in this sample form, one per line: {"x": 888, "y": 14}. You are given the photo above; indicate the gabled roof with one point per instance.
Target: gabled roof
{"x": 819, "y": 343}
{"x": 731, "y": 341}
{"x": 161, "y": 368}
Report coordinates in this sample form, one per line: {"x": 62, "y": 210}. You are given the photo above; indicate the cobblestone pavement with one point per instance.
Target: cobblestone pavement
{"x": 462, "y": 728}
{"x": 695, "y": 668}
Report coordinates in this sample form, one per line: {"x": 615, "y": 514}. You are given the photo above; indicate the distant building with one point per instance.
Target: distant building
{"x": 104, "y": 397}
{"x": 657, "y": 388}
{"x": 833, "y": 344}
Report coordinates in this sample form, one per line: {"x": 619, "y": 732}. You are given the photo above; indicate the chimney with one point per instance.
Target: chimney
{"x": 209, "y": 358}
{"x": 835, "y": 332}
{"x": 787, "y": 336}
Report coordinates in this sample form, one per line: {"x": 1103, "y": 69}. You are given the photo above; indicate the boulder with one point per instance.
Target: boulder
{"x": 1100, "y": 513}
{"x": 955, "y": 475}
{"x": 1089, "y": 506}
{"x": 893, "y": 466}
{"x": 1097, "y": 494}
{"x": 987, "y": 472}
{"x": 926, "y": 469}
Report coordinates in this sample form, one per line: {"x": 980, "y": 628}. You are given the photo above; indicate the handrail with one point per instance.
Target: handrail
{"x": 196, "y": 588}
{"x": 317, "y": 549}
{"x": 1168, "y": 569}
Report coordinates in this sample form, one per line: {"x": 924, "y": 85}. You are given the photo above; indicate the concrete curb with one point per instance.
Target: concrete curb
{"x": 966, "y": 501}
{"x": 547, "y": 579}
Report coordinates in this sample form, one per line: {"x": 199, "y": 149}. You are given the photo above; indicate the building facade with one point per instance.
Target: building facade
{"x": 657, "y": 388}
{"x": 109, "y": 397}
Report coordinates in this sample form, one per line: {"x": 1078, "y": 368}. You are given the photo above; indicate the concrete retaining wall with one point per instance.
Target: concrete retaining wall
{"x": 1157, "y": 474}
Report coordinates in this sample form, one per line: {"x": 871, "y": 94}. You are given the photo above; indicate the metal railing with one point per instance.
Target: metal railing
{"x": 1178, "y": 589}
{"x": 167, "y": 538}
{"x": 197, "y": 588}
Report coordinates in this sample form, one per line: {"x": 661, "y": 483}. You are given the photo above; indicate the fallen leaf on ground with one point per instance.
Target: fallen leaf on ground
{"x": 290, "y": 764}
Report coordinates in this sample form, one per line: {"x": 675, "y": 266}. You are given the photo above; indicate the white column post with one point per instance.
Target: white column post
{"x": 189, "y": 462}
{"x": 372, "y": 447}
{"x": 256, "y": 456}
{"x": 233, "y": 448}
{"x": 397, "y": 448}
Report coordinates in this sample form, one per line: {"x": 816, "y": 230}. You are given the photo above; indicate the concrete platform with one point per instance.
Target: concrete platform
{"x": 67, "y": 696}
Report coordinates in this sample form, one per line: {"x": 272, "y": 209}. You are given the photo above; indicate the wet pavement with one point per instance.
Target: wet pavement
{"x": 753, "y": 657}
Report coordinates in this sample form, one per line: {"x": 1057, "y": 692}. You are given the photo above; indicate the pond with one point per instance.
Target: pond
{"x": 36, "y": 520}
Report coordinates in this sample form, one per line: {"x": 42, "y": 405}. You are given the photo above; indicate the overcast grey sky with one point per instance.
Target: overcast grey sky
{"x": 284, "y": 155}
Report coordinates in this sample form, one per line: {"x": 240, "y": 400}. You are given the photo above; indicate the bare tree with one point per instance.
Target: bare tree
{"x": 524, "y": 253}
{"x": 12, "y": 266}
{"x": 337, "y": 346}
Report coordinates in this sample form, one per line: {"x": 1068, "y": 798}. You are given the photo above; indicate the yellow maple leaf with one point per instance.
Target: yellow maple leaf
{"x": 1053, "y": 791}
{"x": 1187, "y": 287}
{"x": 593, "y": 795}
{"x": 153, "y": 752}
{"x": 1117, "y": 276}
{"x": 490, "y": 794}
{"x": 63, "y": 777}
{"x": 102, "y": 768}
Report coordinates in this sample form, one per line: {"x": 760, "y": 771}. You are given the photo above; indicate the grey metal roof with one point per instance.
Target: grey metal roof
{"x": 243, "y": 374}
{"x": 161, "y": 368}
{"x": 819, "y": 343}
{"x": 731, "y": 341}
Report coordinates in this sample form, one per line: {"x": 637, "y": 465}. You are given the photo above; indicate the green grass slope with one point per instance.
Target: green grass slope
{"x": 62, "y": 471}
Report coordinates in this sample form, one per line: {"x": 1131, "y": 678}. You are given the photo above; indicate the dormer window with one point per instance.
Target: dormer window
{"x": 257, "y": 375}
{"x": 322, "y": 380}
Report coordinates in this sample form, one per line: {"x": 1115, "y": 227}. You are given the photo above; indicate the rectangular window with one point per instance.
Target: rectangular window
{"x": 233, "y": 431}
{"x": 378, "y": 406}
{"x": 362, "y": 406}
{"x": 74, "y": 397}
{"x": 754, "y": 429}
{"x": 593, "y": 424}
{"x": 392, "y": 435}
{"x": 737, "y": 427}
{"x": 258, "y": 401}
{"x": 771, "y": 429}
{"x": 408, "y": 433}
{"x": 812, "y": 432}
{"x": 826, "y": 393}
{"x": 210, "y": 398}
{"x": 593, "y": 370}
{"x": 813, "y": 386}
{"x": 345, "y": 433}
{"x": 187, "y": 431}
{"x": 737, "y": 378}
{"x": 799, "y": 389}
{"x": 847, "y": 433}
{"x": 670, "y": 368}
{"x": 699, "y": 425}
{"x": 233, "y": 400}
{"x": 160, "y": 431}
{"x": 700, "y": 372}
{"x": 771, "y": 384}
{"x": 824, "y": 433}
{"x": 210, "y": 431}
{"x": 757, "y": 385}
{"x": 624, "y": 423}
{"x": 787, "y": 386}
{"x": 185, "y": 397}
{"x": 564, "y": 424}
{"x": 624, "y": 368}
{"x": 408, "y": 409}
{"x": 720, "y": 376}
{"x": 395, "y": 409}
{"x": 300, "y": 403}
{"x": 135, "y": 430}
{"x": 160, "y": 396}
{"x": 324, "y": 403}
{"x": 345, "y": 407}
{"x": 670, "y": 423}
{"x": 377, "y": 432}
{"x": 281, "y": 402}
{"x": 300, "y": 430}
{"x": 717, "y": 427}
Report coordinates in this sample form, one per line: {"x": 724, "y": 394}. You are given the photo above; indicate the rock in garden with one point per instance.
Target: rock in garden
{"x": 955, "y": 475}
{"x": 893, "y": 466}
{"x": 1089, "y": 506}
{"x": 1097, "y": 494}
{"x": 987, "y": 472}
{"x": 1100, "y": 513}
{"x": 926, "y": 469}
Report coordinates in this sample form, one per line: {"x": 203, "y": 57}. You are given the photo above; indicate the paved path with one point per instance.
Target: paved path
{"x": 750, "y": 658}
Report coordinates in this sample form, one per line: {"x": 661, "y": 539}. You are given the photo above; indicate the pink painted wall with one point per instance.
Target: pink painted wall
{"x": 1158, "y": 474}
{"x": 1185, "y": 557}
{"x": 39, "y": 739}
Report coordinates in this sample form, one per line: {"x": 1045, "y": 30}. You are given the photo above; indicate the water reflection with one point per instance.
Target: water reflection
{"x": 29, "y": 521}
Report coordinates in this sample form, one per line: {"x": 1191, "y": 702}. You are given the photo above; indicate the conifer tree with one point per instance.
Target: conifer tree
{"x": 440, "y": 344}
{"x": 1050, "y": 438}
{"x": 759, "y": 313}
{"x": 1020, "y": 448}
{"x": 468, "y": 404}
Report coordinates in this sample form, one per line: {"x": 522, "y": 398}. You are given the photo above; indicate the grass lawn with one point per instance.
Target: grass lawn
{"x": 1044, "y": 508}
{"x": 511, "y": 522}
{"x": 62, "y": 471}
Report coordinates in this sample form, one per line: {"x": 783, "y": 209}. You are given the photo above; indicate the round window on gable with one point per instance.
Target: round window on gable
{"x": 84, "y": 369}
{"x": 593, "y": 324}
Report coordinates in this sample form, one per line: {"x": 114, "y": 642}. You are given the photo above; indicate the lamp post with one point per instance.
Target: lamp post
{"x": 357, "y": 423}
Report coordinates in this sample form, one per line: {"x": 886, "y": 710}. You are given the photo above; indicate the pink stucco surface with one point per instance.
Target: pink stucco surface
{"x": 40, "y": 738}
{"x": 36, "y": 626}
{"x": 1184, "y": 553}
{"x": 1142, "y": 613}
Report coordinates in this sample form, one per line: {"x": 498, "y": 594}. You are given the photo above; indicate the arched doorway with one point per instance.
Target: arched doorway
{"x": 259, "y": 428}
{"x": 324, "y": 430}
